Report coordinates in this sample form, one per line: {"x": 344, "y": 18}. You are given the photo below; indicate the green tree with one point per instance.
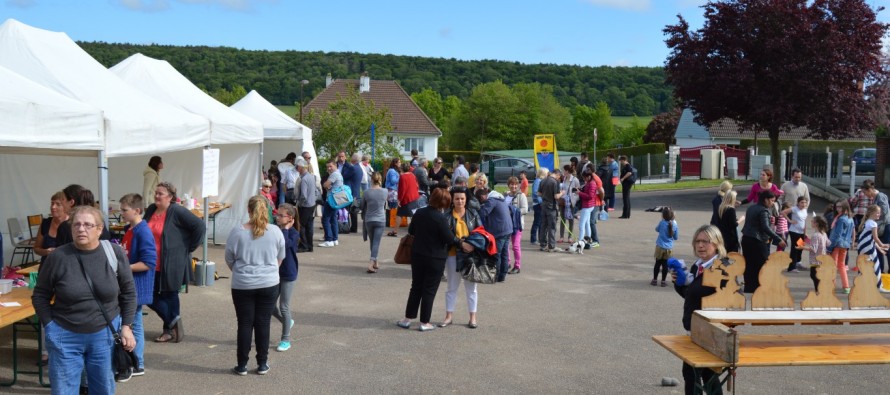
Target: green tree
{"x": 586, "y": 119}
{"x": 540, "y": 113}
{"x": 431, "y": 103}
{"x": 346, "y": 125}
{"x": 487, "y": 119}
{"x": 632, "y": 134}
{"x": 228, "y": 97}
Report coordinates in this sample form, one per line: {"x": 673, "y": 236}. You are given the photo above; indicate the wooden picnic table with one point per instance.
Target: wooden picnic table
{"x": 11, "y": 315}
{"x": 28, "y": 270}
{"x": 20, "y": 316}
{"x": 212, "y": 211}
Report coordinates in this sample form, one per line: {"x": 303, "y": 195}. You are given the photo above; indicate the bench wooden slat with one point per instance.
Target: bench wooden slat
{"x": 806, "y": 317}
{"x": 691, "y": 353}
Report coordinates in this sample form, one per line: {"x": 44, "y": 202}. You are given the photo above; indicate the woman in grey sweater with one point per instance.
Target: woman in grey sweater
{"x": 253, "y": 252}
{"x": 374, "y": 217}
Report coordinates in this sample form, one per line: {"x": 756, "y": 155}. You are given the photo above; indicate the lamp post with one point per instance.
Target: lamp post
{"x": 302, "y": 84}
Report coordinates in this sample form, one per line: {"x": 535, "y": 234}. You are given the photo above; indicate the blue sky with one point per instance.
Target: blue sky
{"x": 582, "y": 32}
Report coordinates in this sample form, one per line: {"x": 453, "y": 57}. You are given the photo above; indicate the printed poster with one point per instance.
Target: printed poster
{"x": 545, "y": 152}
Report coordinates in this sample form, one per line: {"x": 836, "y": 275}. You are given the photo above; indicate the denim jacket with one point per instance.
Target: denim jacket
{"x": 842, "y": 233}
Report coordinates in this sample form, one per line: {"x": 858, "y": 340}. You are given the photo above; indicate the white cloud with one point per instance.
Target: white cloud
{"x": 21, "y": 3}
{"x": 633, "y": 5}
{"x": 163, "y": 5}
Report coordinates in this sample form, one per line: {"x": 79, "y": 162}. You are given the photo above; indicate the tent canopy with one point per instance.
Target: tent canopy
{"x": 134, "y": 123}
{"x": 276, "y": 126}
{"x": 158, "y": 79}
{"x": 33, "y": 117}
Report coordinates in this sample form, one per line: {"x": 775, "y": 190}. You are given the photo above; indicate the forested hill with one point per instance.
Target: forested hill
{"x": 277, "y": 74}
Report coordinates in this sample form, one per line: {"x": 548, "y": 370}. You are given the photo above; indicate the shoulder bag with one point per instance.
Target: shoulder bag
{"x": 123, "y": 362}
{"x": 403, "y": 253}
{"x": 479, "y": 268}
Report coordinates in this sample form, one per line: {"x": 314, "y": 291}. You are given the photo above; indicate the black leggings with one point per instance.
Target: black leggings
{"x": 795, "y": 253}
{"x": 663, "y": 263}
{"x": 815, "y": 279}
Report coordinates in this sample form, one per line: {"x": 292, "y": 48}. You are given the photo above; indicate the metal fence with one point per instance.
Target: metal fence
{"x": 650, "y": 166}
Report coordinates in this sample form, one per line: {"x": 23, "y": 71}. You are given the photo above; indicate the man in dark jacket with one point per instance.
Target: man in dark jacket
{"x": 352, "y": 176}
{"x": 497, "y": 220}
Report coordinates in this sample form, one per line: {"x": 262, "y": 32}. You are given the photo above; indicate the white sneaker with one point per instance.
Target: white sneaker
{"x": 326, "y": 244}
{"x": 336, "y": 242}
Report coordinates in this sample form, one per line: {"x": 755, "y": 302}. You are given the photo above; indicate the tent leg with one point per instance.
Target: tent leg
{"x": 103, "y": 186}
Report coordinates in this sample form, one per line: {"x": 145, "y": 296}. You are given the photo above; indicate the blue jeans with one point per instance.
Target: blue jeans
{"x": 536, "y": 223}
{"x": 885, "y": 238}
{"x": 139, "y": 334}
{"x": 166, "y": 304}
{"x": 329, "y": 222}
{"x": 502, "y": 256}
{"x": 584, "y": 226}
{"x": 70, "y": 353}
{"x": 594, "y": 216}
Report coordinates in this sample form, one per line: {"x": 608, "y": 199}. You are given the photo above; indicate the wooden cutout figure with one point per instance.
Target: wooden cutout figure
{"x": 865, "y": 293}
{"x": 773, "y": 293}
{"x": 723, "y": 276}
{"x": 823, "y": 298}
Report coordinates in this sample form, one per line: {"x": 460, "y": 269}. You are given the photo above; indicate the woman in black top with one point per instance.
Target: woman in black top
{"x": 756, "y": 238}
{"x": 49, "y": 229}
{"x": 728, "y": 222}
{"x": 438, "y": 172}
{"x": 432, "y": 237}
{"x": 707, "y": 245}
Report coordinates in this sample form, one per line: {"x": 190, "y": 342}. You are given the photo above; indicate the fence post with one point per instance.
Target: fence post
{"x": 674, "y": 162}
{"x": 794, "y": 154}
{"x": 840, "y": 166}
{"x": 852, "y": 177}
{"x": 648, "y": 165}
{"x": 783, "y": 156}
{"x": 828, "y": 166}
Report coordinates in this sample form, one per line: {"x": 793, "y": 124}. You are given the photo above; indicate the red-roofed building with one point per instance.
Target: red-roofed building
{"x": 410, "y": 124}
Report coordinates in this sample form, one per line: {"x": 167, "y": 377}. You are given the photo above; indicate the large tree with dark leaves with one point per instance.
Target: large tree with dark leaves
{"x": 772, "y": 65}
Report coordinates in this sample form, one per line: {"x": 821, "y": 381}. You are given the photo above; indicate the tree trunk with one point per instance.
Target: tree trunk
{"x": 774, "y": 156}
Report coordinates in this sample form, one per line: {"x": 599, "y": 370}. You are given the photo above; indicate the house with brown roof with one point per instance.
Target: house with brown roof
{"x": 411, "y": 126}
{"x": 726, "y": 132}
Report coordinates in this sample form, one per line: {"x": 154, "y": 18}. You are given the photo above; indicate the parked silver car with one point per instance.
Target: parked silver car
{"x": 505, "y": 168}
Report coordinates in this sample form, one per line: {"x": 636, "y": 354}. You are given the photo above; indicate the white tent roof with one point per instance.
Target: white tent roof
{"x": 35, "y": 117}
{"x": 160, "y": 80}
{"x": 134, "y": 123}
{"x": 276, "y": 124}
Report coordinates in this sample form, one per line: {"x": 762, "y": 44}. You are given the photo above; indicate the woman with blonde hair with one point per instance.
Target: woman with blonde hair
{"x": 727, "y": 221}
{"x": 725, "y": 187}
{"x": 253, "y": 253}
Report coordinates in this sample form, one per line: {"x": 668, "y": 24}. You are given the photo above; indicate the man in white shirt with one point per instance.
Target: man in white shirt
{"x": 459, "y": 169}
{"x": 795, "y": 188}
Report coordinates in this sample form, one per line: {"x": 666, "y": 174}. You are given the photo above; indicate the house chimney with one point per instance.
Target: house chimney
{"x": 364, "y": 84}
{"x": 328, "y": 80}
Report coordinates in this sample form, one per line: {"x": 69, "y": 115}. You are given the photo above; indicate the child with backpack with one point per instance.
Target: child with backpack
{"x": 519, "y": 207}
{"x": 668, "y": 232}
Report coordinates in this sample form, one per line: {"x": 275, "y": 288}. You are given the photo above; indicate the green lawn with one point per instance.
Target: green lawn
{"x": 684, "y": 184}
{"x": 625, "y": 121}
{"x": 289, "y": 110}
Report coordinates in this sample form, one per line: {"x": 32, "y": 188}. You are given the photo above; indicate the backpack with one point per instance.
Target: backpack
{"x": 633, "y": 174}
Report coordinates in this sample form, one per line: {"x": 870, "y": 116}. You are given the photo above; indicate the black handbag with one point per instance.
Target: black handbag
{"x": 479, "y": 268}
{"x": 123, "y": 362}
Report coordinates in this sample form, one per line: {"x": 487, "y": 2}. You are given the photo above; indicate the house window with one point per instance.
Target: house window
{"x": 414, "y": 143}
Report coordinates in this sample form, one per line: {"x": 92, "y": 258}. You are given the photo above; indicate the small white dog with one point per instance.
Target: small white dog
{"x": 577, "y": 248}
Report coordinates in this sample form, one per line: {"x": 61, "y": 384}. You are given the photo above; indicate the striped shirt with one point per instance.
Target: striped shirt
{"x": 866, "y": 245}
{"x": 859, "y": 203}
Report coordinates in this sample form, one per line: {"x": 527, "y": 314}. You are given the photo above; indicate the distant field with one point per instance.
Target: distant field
{"x": 625, "y": 121}
{"x": 289, "y": 110}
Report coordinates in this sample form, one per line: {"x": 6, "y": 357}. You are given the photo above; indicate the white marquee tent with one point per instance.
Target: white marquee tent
{"x": 282, "y": 134}
{"x": 237, "y": 136}
{"x": 36, "y": 120}
{"x": 134, "y": 123}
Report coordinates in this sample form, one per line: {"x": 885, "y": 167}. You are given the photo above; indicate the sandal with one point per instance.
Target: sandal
{"x": 164, "y": 338}
{"x": 392, "y": 234}
{"x": 371, "y": 271}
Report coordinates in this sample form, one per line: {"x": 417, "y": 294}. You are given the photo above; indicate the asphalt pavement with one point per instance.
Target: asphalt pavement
{"x": 567, "y": 324}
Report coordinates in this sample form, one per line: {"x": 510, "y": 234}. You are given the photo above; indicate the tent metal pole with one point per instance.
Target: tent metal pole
{"x": 206, "y": 226}
{"x": 103, "y": 186}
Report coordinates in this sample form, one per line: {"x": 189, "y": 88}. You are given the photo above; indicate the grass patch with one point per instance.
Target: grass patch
{"x": 293, "y": 111}
{"x": 683, "y": 184}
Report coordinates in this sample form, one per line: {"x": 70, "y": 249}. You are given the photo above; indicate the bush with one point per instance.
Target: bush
{"x": 448, "y": 157}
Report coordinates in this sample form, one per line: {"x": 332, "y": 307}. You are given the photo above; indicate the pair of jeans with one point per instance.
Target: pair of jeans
{"x": 454, "y": 280}
{"x": 426, "y": 275}
{"x": 594, "y": 217}
{"x": 584, "y": 224}
{"x": 329, "y": 222}
{"x": 139, "y": 334}
{"x": 516, "y": 242}
{"x": 307, "y": 217}
{"x": 536, "y": 223}
{"x": 375, "y": 233}
{"x": 625, "y": 198}
{"x": 547, "y": 233}
{"x": 503, "y": 256}
{"x": 70, "y": 353}
{"x": 566, "y": 221}
{"x": 166, "y": 304}
{"x": 885, "y": 238}
{"x": 253, "y": 308}
{"x": 282, "y": 313}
